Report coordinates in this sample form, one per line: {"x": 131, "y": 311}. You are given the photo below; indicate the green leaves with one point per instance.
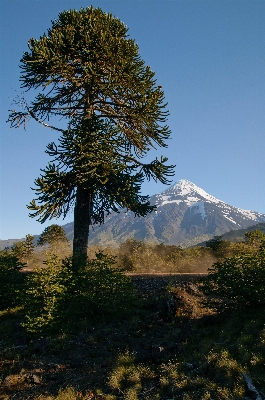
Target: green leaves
{"x": 238, "y": 280}
{"x": 23, "y": 249}
{"x": 86, "y": 63}
{"x": 12, "y": 280}
{"x": 86, "y": 71}
{"x": 52, "y": 235}
{"x": 256, "y": 239}
{"x": 95, "y": 155}
{"x": 56, "y": 299}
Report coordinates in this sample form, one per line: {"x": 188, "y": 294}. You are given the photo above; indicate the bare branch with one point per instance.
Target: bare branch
{"x": 43, "y": 123}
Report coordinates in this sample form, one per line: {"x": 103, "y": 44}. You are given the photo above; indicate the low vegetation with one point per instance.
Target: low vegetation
{"x": 57, "y": 299}
{"x": 103, "y": 335}
{"x": 11, "y": 280}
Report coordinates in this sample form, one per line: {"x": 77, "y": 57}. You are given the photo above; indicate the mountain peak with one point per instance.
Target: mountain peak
{"x": 184, "y": 190}
{"x": 184, "y": 187}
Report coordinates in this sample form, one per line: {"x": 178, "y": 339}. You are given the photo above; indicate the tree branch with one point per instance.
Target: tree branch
{"x": 43, "y": 123}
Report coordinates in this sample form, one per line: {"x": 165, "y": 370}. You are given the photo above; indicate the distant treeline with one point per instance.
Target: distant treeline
{"x": 138, "y": 255}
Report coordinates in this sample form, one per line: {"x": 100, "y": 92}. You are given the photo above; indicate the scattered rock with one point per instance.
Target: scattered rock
{"x": 158, "y": 353}
{"x": 33, "y": 379}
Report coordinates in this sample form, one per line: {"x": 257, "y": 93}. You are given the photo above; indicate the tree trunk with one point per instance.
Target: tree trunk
{"x": 82, "y": 218}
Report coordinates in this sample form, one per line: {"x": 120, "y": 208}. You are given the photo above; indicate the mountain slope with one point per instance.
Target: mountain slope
{"x": 239, "y": 235}
{"x": 185, "y": 215}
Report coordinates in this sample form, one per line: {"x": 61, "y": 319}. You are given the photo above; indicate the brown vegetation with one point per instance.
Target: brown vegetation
{"x": 168, "y": 344}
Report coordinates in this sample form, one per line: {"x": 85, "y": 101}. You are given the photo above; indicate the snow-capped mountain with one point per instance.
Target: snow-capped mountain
{"x": 185, "y": 215}
{"x": 198, "y": 202}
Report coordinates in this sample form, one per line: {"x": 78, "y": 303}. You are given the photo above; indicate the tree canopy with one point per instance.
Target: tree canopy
{"x": 52, "y": 235}
{"x": 23, "y": 249}
{"x": 95, "y": 90}
{"x": 255, "y": 239}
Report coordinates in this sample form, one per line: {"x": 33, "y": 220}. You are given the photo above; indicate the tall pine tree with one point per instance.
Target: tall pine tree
{"x": 88, "y": 72}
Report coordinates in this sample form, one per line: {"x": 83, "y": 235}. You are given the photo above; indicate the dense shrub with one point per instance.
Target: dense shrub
{"x": 45, "y": 292}
{"x": 237, "y": 281}
{"x": 139, "y": 256}
{"x": 11, "y": 280}
{"x": 220, "y": 248}
{"x": 256, "y": 239}
{"x": 57, "y": 299}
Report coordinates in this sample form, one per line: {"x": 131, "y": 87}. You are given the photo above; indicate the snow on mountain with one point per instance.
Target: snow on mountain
{"x": 185, "y": 215}
{"x": 198, "y": 208}
{"x": 196, "y": 199}
{"x": 186, "y": 191}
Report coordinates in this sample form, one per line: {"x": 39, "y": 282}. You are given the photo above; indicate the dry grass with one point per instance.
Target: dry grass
{"x": 169, "y": 347}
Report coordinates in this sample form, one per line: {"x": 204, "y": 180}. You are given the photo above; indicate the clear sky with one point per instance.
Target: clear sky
{"x": 209, "y": 57}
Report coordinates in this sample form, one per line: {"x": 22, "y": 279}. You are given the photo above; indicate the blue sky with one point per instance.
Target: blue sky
{"x": 209, "y": 57}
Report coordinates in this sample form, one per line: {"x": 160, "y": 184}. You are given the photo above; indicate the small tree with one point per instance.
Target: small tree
{"x": 87, "y": 71}
{"x": 24, "y": 249}
{"x": 29, "y": 247}
{"x": 56, "y": 299}
{"x": 255, "y": 239}
{"x": 52, "y": 235}
{"x": 18, "y": 250}
{"x": 238, "y": 281}
{"x": 218, "y": 246}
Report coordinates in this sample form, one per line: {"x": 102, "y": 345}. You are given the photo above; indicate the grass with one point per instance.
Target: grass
{"x": 152, "y": 353}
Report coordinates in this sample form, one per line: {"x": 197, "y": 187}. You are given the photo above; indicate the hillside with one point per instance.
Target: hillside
{"x": 186, "y": 215}
{"x": 239, "y": 235}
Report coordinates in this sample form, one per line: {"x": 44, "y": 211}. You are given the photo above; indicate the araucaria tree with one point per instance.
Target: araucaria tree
{"x": 90, "y": 78}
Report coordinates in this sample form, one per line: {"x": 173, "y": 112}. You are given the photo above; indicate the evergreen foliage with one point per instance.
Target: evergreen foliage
{"x": 255, "y": 239}
{"x": 11, "y": 279}
{"x": 29, "y": 247}
{"x": 18, "y": 250}
{"x": 59, "y": 300}
{"x": 238, "y": 281}
{"x": 23, "y": 250}
{"x": 88, "y": 72}
{"x": 52, "y": 235}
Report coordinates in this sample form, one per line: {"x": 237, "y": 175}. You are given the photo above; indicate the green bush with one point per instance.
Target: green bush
{"x": 58, "y": 299}
{"x": 11, "y": 280}
{"x": 45, "y": 291}
{"x": 237, "y": 281}
{"x": 106, "y": 289}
